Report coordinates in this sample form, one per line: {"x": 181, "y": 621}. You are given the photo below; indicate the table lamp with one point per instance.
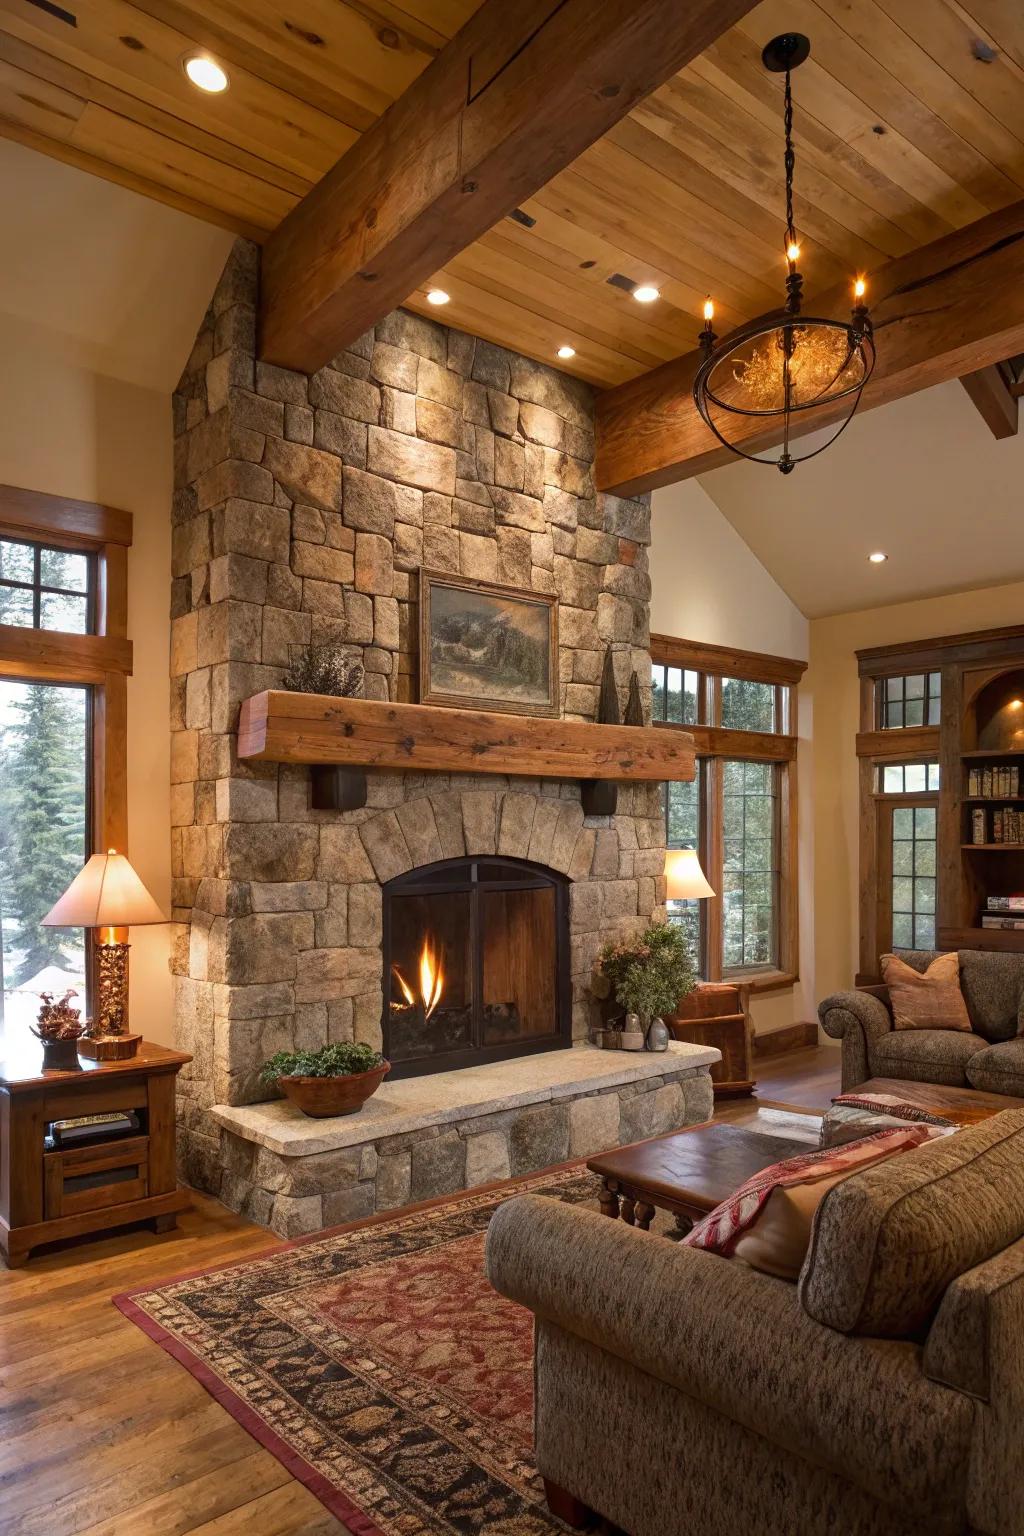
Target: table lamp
{"x": 684, "y": 878}
{"x": 107, "y": 896}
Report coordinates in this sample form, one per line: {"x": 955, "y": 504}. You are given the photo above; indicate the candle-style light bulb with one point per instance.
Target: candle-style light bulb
{"x": 709, "y": 310}
{"x": 792, "y": 251}
{"x": 860, "y": 288}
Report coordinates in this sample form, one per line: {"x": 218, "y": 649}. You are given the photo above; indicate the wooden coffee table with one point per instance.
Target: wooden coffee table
{"x": 687, "y": 1172}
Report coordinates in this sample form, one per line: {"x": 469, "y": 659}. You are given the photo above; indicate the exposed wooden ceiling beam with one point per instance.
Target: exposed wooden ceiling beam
{"x": 516, "y": 96}
{"x": 951, "y": 308}
{"x": 990, "y": 392}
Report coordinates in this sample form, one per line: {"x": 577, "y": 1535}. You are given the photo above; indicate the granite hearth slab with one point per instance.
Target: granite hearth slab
{"x": 444, "y": 1098}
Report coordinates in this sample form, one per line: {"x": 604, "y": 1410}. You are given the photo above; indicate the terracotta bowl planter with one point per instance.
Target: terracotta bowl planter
{"x": 322, "y": 1097}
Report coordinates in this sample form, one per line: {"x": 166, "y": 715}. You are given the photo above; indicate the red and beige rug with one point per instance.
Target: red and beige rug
{"x": 379, "y": 1366}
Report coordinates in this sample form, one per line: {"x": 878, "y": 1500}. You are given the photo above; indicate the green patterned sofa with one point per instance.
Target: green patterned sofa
{"x": 990, "y": 1058}
{"x": 682, "y": 1394}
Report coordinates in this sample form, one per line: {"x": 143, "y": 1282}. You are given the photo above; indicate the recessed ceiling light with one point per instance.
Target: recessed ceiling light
{"x": 878, "y": 558}
{"x": 437, "y": 296}
{"x": 567, "y": 352}
{"x": 206, "y": 73}
{"x": 646, "y": 293}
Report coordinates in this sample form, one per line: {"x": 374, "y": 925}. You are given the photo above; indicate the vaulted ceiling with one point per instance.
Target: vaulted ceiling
{"x": 910, "y": 123}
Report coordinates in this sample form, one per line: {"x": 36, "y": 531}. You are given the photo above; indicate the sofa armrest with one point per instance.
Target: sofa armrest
{"x": 858, "y": 1019}
{"x": 863, "y": 1010}
{"x": 731, "y": 1338}
{"x": 975, "y": 1345}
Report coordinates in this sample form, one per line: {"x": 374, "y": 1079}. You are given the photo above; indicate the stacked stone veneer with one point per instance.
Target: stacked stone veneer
{"x": 303, "y": 1193}
{"x": 303, "y": 509}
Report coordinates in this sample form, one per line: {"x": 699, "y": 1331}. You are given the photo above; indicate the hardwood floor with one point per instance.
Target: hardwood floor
{"x": 102, "y": 1434}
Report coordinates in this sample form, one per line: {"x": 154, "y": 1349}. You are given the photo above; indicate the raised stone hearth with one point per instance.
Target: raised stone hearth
{"x": 429, "y": 1136}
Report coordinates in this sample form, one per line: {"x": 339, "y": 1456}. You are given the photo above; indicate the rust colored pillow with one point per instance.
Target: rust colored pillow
{"x": 929, "y": 999}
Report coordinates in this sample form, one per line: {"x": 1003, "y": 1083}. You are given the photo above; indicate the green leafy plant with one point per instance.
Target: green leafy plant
{"x": 324, "y": 669}
{"x": 650, "y": 974}
{"x": 343, "y": 1060}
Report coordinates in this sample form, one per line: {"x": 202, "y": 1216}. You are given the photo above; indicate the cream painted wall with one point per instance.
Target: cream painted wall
{"x": 709, "y": 586}
{"x": 72, "y": 432}
{"x": 832, "y": 688}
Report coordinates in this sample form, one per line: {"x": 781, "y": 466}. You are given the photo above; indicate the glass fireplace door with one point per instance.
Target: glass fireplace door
{"x": 476, "y": 960}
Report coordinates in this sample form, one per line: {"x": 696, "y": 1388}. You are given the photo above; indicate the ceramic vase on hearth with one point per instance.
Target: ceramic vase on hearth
{"x": 632, "y": 1036}
{"x": 657, "y": 1036}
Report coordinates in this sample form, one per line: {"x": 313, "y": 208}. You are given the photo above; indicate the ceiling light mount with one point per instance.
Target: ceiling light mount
{"x": 205, "y": 73}
{"x": 785, "y": 364}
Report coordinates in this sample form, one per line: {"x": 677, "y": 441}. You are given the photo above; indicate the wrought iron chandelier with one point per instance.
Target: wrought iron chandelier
{"x": 785, "y": 364}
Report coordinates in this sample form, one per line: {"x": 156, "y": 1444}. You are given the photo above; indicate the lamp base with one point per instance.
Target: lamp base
{"x": 109, "y": 1047}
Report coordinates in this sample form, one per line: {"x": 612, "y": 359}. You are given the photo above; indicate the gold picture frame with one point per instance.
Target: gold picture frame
{"x": 487, "y": 646}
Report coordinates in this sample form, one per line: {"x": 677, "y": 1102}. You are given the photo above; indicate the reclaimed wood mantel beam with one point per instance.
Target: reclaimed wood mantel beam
{"x": 517, "y": 94}
{"x": 310, "y": 728}
{"x": 949, "y": 309}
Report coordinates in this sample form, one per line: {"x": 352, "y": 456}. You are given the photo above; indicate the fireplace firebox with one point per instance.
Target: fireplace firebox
{"x": 476, "y": 964}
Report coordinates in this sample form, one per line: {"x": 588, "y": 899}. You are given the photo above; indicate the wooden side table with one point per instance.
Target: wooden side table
{"x": 47, "y": 1195}
{"x": 716, "y": 1013}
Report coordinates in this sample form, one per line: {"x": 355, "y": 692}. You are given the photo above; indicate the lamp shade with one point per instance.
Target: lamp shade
{"x": 107, "y": 893}
{"x": 684, "y": 878}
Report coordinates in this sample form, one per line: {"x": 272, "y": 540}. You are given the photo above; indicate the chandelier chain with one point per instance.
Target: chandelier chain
{"x": 790, "y": 162}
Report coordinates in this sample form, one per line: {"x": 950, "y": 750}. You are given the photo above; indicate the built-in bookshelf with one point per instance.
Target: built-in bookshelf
{"x": 989, "y": 896}
{"x": 942, "y": 845}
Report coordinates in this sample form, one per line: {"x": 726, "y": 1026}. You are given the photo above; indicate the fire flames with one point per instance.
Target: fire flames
{"x": 431, "y": 981}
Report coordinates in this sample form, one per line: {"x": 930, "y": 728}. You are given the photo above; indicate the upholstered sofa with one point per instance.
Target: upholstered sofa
{"x": 680, "y": 1392}
{"x": 990, "y": 1057}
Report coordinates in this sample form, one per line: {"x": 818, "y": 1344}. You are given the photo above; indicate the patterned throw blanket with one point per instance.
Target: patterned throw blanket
{"x": 722, "y": 1228}
{"x": 889, "y": 1104}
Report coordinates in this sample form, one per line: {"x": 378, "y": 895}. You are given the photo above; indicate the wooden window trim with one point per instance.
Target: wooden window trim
{"x": 714, "y": 744}
{"x": 102, "y": 660}
{"x": 750, "y": 666}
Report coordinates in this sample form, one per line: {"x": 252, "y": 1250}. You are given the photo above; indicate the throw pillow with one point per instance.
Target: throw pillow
{"x": 780, "y": 1247}
{"x": 777, "y": 1242}
{"x": 929, "y": 999}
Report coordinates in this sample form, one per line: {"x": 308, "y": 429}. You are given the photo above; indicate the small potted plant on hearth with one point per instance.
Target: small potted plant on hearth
{"x": 648, "y": 976}
{"x": 336, "y": 1080}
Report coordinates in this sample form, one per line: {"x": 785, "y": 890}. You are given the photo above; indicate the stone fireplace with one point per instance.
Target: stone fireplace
{"x": 304, "y": 508}
{"x": 475, "y": 964}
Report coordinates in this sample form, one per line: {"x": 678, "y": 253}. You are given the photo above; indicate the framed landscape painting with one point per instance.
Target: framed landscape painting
{"x": 483, "y": 646}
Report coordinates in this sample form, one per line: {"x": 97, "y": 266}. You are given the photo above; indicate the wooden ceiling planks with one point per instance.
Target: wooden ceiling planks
{"x": 903, "y": 132}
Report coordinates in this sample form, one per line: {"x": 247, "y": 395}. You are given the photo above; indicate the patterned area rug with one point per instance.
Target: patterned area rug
{"x": 379, "y": 1366}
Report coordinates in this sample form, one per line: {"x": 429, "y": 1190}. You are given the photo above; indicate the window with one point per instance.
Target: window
{"x": 750, "y": 866}
{"x": 674, "y": 695}
{"x": 42, "y": 587}
{"x": 740, "y": 811}
{"x": 911, "y": 700}
{"x": 63, "y": 704}
{"x": 913, "y": 877}
{"x": 747, "y": 706}
{"x": 682, "y": 830}
{"x": 908, "y": 778}
{"x": 44, "y": 839}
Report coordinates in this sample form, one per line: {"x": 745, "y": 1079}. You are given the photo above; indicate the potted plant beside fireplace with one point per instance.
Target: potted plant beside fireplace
{"x": 336, "y": 1080}
{"x": 648, "y": 976}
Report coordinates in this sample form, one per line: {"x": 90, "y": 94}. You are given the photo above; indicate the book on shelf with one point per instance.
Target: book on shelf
{"x": 979, "y": 821}
{"x": 1006, "y": 904}
{"x": 81, "y": 1130}
{"x": 995, "y": 783}
{"x": 1013, "y": 924}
